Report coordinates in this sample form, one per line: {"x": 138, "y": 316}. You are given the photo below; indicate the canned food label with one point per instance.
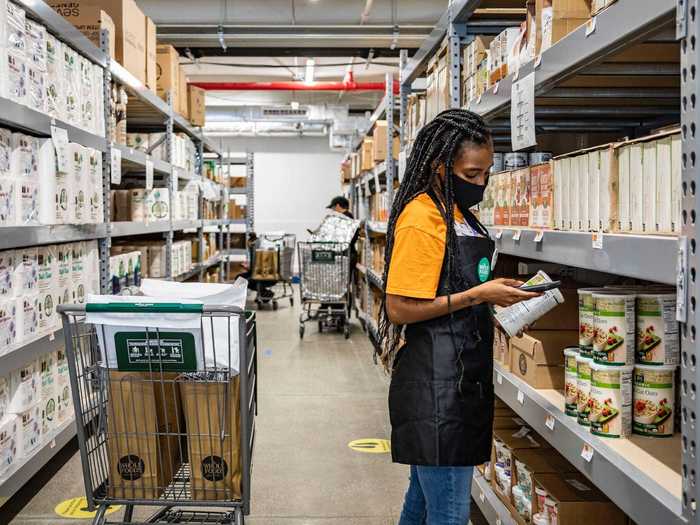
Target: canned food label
{"x": 657, "y": 331}
{"x": 610, "y": 403}
{"x": 585, "y": 315}
{"x": 570, "y": 386}
{"x": 583, "y": 390}
{"x": 613, "y": 341}
{"x": 653, "y": 402}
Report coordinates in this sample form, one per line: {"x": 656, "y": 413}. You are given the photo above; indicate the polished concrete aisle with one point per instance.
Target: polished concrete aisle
{"x": 315, "y": 397}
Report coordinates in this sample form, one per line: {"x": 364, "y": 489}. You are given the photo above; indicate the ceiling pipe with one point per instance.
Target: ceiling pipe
{"x": 294, "y": 86}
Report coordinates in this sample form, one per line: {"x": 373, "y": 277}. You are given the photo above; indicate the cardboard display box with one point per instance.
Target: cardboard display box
{"x": 538, "y": 359}
{"x": 538, "y": 461}
{"x": 562, "y": 317}
{"x": 379, "y": 135}
{"x": 151, "y": 56}
{"x": 501, "y": 348}
{"x": 366, "y": 155}
{"x": 558, "y": 18}
{"x": 196, "y": 100}
{"x": 182, "y": 106}
{"x": 167, "y": 72}
{"x": 212, "y": 411}
{"x": 89, "y": 19}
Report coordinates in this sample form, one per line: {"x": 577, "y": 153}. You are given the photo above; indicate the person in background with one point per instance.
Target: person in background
{"x": 341, "y": 205}
{"x": 436, "y": 326}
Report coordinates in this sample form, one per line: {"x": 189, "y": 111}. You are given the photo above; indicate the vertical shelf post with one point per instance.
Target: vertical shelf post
{"x": 105, "y": 244}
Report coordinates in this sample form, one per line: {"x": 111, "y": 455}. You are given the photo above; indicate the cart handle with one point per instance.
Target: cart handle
{"x": 145, "y": 307}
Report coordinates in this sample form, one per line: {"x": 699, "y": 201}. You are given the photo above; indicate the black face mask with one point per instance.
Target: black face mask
{"x": 466, "y": 194}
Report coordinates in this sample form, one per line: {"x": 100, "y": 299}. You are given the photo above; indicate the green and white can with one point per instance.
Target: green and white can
{"x": 583, "y": 388}
{"x": 654, "y": 400}
{"x": 614, "y": 323}
{"x": 657, "y": 330}
{"x": 610, "y": 400}
{"x": 570, "y": 379}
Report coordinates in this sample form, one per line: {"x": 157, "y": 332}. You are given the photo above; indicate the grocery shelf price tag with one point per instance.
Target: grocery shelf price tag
{"x": 498, "y": 521}
{"x": 516, "y": 235}
{"x": 597, "y": 241}
{"x": 499, "y": 234}
{"x": 549, "y": 421}
{"x": 587, "y": 452}
{"x": 495, "y": 88}
{"x": 499, "y": 378}
{"x": 52, "y": 336}
{"x": 149, "y": 174}
{"x": 482, "y": 497}
{"x": 478, "y": 100}
{"x": 521, "y": 397}
{"x": 538, "y": 61}
{"x": 52, "y": 444}
{"x": 59, "y": 137}
{"x": 591, "y": 25}
{"x": 539, "y": 236}
{"x": 115, "y": 165}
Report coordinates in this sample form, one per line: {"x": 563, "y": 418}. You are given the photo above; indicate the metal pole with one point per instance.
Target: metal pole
{"x": 169, "y": 235}
{"x": 105, "y": 244}
{"x": 454, "y": 32}
{"x": 390, "y": 163}
{"x": 404, "y": 90}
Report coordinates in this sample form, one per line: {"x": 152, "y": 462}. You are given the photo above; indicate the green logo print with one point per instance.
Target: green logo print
{"x": 484, "y": 269}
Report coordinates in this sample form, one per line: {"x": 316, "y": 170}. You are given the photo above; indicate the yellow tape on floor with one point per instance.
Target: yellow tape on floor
{"x": 77, "y": 508}
{"x": 371, "y": 446}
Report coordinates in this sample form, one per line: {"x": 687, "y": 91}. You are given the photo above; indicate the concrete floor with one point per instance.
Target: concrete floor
{"x": 315, "y": 396}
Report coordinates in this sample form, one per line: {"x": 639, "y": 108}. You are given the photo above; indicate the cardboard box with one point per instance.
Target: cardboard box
{"x": 143, "y": 413}
{"x": 379, "y": 137}
{"x": 558, "y": 18}
{"x": 366, "y": 155}
{"x": 562, "y": 317}
{"x": 197, "y": 109}
{"x": 538, "y": 359}
{"x": 167, "y": 72}
{"x": 182, "y": 100}
{"x": 151, "y": 56}
{"x": 89, "y": 19}
{"x": 579, "y": 502}
{"x": 212, "y": 411}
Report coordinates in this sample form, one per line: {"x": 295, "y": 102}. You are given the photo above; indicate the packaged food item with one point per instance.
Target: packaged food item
{"x": 614, "y": 318}
{"x": 29, "y": 431}
{"x": 8, "y": 324}
{"x": 583, "y": 388}
{"x": 610, "y": 400}
{"x": 524, "y": 476}
{"x": 8, "y": 442}
{"x": 541, "y": 496}
{"x": 654, "y": 400}
{"x": 523, "y": 505}
{"x": 540, "y": 519}
{"x": 47, "y": 373}
{"x": 657, "y": 330}
{"x": 24, "y": 388}
{"x": 7, "y": 271}
{"x": 586, "y": 320}
{"x": 570, "y": 381}
{"x": 552, "y": 511}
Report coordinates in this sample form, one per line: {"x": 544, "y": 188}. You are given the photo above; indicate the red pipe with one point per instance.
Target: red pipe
{"x": 294, "y": 86}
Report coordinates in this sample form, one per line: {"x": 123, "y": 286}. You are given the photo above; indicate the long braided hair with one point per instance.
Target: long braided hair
{"x": 438, "y": 143}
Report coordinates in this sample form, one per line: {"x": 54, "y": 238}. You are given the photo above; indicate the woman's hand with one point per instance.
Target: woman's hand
{"x": 502, "y": 292}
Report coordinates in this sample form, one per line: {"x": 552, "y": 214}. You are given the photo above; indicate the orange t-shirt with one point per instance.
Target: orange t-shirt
{"x": 419, "y": 249}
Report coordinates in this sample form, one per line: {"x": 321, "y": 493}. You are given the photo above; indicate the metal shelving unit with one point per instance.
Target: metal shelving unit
{"x": 490, "y": 506}
{"x": 24, "y": 236}
{"x": 133, "y": 160}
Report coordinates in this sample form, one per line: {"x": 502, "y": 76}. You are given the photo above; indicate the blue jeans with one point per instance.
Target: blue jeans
{"x": 437, "y": 496}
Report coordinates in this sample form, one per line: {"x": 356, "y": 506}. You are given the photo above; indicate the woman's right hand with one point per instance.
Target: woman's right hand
{"x": 502, "y": 292}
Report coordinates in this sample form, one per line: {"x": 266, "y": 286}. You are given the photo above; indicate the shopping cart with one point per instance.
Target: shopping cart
{"x": 157, "y": 428}
{"x": 324, "y": 289}
{"x": 280, "y": 282}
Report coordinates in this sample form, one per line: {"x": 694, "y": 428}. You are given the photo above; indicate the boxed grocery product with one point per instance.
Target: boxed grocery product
{"x": 558, "y": 18}
{"x": 151, "y": 60}
{"x": 14, "y": 53}
{"x": 99, "y": 97}
{"x": 537, "y": 357}
{"x": 501, "y": 348}
{"x": 95, "y": 187}
{"x": 54, "y": 77}
{"x": 78, "y": 267}
{"x": 649, "y": 199}
{"x": 27, "y": 317}
{"x": 137, "y": 204}
{"x": 379, "y": 138}
{"x": 503, "y": 190}
{"x": 8, "y": 201}
{"x": 541, "y": 196}
{"x": 142, "y": 411}
{"x": 64, "y": 404}
{"x": 29, "y": 431}
{"x": 88, "y": 104}
{"x": 572, "y": 498}
{"x": 664, "y": 204}
{"x": 7, "y": 273}
{"x": 71, "y": 86}
{"x": 47, "y": 392}
{"x": 8, "y": 324}
{"x": 26, "y": 276}
{"x": 167, "y": 71}
{"x": 182, "y": 81}
{"x": 89, "y": 19}
{"x": 520, "y": 197}
{"x": 637, "y": 190}
{"x": 4, "y": 395}
{"x": 64, "y": 255}
{"x": 197, "y": 105}
{"x": 8, "y": 442}
{"x": 367, "y": 159}
{"x": 77, "y": 176}
{"x": 47, "y": 285}
{"x": 157, "y": 204}
{"x": 212, "y": 408}
{"x": 24, "y": 388}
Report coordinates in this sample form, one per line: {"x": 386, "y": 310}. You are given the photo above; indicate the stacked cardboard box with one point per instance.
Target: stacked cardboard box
{"x": 366, "y": 155}
{"x": 558, "y": 18}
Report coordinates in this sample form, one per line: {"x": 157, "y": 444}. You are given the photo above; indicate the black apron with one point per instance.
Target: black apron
{"x": 442, "y": 412}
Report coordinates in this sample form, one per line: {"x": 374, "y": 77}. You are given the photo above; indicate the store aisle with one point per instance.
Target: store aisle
{"x": 315, "y": 397}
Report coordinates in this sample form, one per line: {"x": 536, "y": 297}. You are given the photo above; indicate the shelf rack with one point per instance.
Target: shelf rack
{"x": 490, "y": 506}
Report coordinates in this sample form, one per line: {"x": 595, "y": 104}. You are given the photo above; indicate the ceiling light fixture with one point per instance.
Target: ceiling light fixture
{"x": 310, "y": 65}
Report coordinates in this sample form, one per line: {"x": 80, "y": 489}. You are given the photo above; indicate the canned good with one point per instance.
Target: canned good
{"x": 540, "y": 157}
{"x": 586, "y": 330}
{"x": 654, "y": 400}
{"x": 498, "y": 163}
{"x": 583, "y": 388}
{"x": 515, "y": 160}
{"x": 610, "y": 401}
{"x": 657, "y": 330}
{"x": 613, "y": 324}
{"x": 570, "y": 374}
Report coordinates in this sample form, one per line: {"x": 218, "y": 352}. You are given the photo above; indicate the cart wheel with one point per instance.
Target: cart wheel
{"x": 301, "y": 331}
{"x": 320, "y": 326}
{"x": 346, "y": 332}
{"x": 291, "y": 301}
{"x": 275, "y": 305}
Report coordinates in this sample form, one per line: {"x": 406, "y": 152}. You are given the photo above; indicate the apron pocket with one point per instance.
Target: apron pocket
{"x": 410, "y": 401}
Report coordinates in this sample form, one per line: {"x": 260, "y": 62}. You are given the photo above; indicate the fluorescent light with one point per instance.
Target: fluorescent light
{"x": 309, "y": 76}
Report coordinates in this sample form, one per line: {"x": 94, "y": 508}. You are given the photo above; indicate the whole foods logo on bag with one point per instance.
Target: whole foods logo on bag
{"x": 214, "y": 468}
{"x": 131, "y": 467}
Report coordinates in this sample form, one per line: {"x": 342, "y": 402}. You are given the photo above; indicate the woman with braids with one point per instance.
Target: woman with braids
{"x": 436, "y": 329}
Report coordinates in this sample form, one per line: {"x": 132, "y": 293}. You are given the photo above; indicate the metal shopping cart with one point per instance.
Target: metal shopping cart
{"x": 324, "y": 288}
{"x": 275, "y": 283}
{"x": 163, "y": 419}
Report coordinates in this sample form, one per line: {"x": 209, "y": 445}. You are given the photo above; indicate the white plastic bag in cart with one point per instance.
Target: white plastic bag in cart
{"x": 216, "y": 344}
{"x": 124, "y": 332}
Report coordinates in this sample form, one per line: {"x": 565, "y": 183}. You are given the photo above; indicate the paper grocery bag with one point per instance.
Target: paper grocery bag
{"x": 212, "y": 417}
{"x": 143, "y": 422}
{"x": 266, "y": 264}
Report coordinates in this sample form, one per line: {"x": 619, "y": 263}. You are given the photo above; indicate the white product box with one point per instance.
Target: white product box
{"x": 8, "y": 201}
{"x": 138, "y": 141}
{"x": 71, "y": 86}
{"x": 36, "y": 88}
{"x": 546, "y": 24}
{"x": 87, "y": 100}
{"x": 96, "y": 196}
{"x": 24, "y": 388}
{"x": 9, "y": 426}
{"x": 8, "y": 324}
{"x": 27, "y": 317}
{"x": 24, "y": 159}
{"x": 47, "y": 182}
{"x": 49, "y": 320}
{"x": 566, "y": 217}
{"x": 594, "y": 184}
{"x": 92, "y": 264}
{"x": 99, "y": 98}
{"x": 157, "y": 205}
{"x": 65, "y": 197}
{"x": 575, "y": 194}
{"x": 29, "y": 431}
{"x": 177, "y": 209}
{"x": 64, "y": 405}
{"x": 78, "y": 177}
{"x": 5, "y": 153}
{"x": 47, "y": 264}
{"x": 64, "y": 256}
{"x": 26, "y": 278}
{"x": 15, "y": 28}
{"x": 36, "y": 44}
{"x": 7, "y": 273}
{"x": 55, "y": 98}
{"x": 4, "y": 396}
{"x": 63, "y": 296}
{"x": 159, "y": 152}
{"x": 583, "y": 185}
{"x": 27, "y": 202}
{"x": 664, "y": 181}
{"x": 623, "y": 190}
{"x": 557, "y": 188}
{"x": 47, "y": 395}
{"x": 78, "y": 259}
{"x": 676, "y": 181}
{"x": 14, "y": 50}
{"x": 137, "y": 198}
{"x": 649, "y": 216}
{"x": 637, "y": 190}
{"x": 607, "y": 195}
{"x": 16, "y": 80}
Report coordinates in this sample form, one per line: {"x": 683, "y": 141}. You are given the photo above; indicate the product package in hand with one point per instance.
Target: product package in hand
{"x": 515, "y": 318}
{"x": 336, "y": 228}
